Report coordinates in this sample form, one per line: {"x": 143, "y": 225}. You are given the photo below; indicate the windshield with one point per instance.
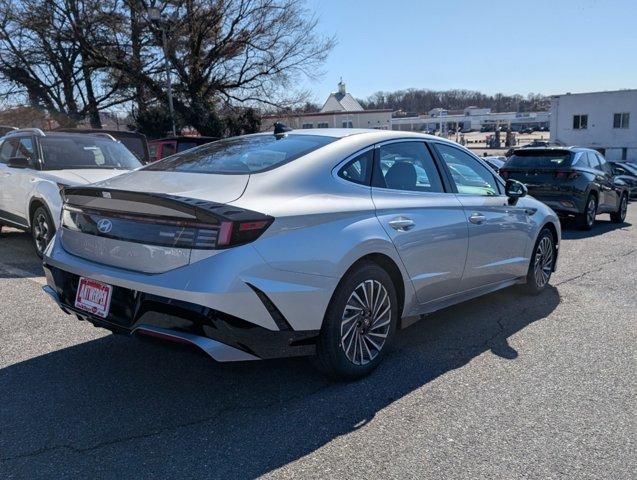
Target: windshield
{"x": 250, "y": 154}
{"x": 539, "y": 159}
{"x": 85, "y": 151}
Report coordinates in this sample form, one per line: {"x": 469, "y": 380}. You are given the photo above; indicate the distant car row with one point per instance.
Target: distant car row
{"x": 145, "y": 151}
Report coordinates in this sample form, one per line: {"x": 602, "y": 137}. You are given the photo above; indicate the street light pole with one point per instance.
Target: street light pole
{"x": 169, "y": 84}
{"x": 155, "y": 16}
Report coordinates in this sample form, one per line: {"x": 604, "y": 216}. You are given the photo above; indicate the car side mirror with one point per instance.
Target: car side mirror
{"x": 618, "y": 182}
{"x": 19, "y": 162}
{"x": 514, "y": 190}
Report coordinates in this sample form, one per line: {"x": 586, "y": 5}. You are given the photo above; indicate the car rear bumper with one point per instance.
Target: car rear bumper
{"x": 222, "y": 336}
{"x": 233, "y": 297}
{"x": 562, "y": 204}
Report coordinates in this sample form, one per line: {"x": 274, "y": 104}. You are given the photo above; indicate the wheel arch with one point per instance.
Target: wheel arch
{"x": 388, "y": 264}
{"x": 34, "y": 203}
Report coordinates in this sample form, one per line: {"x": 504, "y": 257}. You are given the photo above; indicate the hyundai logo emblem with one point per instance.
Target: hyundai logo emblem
{"x": 104, "y": 225}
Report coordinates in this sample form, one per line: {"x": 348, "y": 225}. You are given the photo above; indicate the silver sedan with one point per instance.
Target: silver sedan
{"x": 314, "y": 242}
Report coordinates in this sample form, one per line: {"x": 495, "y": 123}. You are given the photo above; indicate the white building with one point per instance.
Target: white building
{"x": 471, "y": 118}
{"x": 340, "y": 110}
{"x": 606, "y": 121}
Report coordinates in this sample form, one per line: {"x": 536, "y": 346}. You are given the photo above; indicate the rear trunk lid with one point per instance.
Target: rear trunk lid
{"x": 216, "y": 188}
{"x": 154, "y": 232}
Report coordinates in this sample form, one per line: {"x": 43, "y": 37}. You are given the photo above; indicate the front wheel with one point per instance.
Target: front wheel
{"x": 359, "y": 323}
{"x": 620, "y": 215}
{"x": 42, "y": 230}
{"x": 541, "y": 265}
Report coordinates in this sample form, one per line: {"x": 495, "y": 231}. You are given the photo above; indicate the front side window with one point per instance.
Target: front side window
{"x": 407, "y": 166}
{"x": 248, "y": 154}
{"x": 85, "y": 151}
{"x": 17, "y": 148}
{"x": 469, "y": 175}
{"x": 358, "y": 170}
{"x": 580, "y": 122}
{"x": 621, "y": 120}
{"x": 592, "y": 160}
{"x": 603, "y": 164}
{"x": 7, "y": 149}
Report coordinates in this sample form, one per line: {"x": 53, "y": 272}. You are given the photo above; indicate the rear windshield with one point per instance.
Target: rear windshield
{"x": 539, "y": 159}
{"x": 85, "y": 151}
{"x": 249, "y": 154}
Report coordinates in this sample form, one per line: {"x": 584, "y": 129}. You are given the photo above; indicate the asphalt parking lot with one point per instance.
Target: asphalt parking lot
{"x": 506, "y": 386}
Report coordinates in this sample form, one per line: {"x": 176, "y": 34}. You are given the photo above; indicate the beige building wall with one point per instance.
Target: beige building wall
{"x": 378, "y": 119}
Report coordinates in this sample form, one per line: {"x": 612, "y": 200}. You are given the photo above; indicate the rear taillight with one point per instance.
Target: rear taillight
{"x": 566, "y": 175}
{"x": 162, "y": 231}
{"x": 238, "y": 233}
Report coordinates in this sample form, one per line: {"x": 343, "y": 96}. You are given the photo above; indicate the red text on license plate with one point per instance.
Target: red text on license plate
{"x": 93, "y": 297}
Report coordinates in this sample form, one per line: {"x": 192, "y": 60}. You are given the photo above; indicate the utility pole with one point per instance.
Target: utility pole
{"x": 155, "y": 16}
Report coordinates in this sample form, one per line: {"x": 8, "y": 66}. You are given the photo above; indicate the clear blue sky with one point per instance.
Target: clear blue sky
{"x": 538, "y": 46}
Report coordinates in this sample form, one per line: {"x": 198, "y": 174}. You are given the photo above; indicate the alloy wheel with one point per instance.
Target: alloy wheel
{"x": 365, "y": 322}
{"x": 591, "y": 211}
{"x": 543, "y": 262}
{"x": 41, "y": 232}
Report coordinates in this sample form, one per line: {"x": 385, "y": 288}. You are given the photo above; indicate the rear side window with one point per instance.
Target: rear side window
{"x": 539, "y": 159}
{"x": 359, "y": 170}
{"x": 408, "y": 166}
{"x": 249, "y": 154}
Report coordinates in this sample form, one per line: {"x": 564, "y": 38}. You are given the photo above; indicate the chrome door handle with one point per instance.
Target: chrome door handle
{"x": 402, "y": 224}
{"x": 477, "y": 218}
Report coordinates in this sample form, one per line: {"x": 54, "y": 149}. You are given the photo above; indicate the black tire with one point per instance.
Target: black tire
{"x": 542, "y": 259}
{"x": 586, "y": 219}
{"x": 620, "y": 215}
{"x": 341, "y": 359}
{"x": 42, "y": 229}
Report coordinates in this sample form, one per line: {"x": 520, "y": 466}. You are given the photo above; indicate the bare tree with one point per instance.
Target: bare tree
{"x": 44, "y": 62}
{"x": 223, "y": 53}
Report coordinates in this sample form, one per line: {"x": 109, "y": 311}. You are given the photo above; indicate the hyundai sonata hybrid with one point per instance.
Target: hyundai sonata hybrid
{"x": 315, "y": 242}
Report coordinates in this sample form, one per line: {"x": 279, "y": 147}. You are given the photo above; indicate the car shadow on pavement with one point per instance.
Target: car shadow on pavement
{"x": 570, "y": 230}
{"x": 123, "y": 406}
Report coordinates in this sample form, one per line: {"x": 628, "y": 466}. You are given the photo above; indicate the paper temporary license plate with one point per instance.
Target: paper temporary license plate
{"x": 93, "y": 297}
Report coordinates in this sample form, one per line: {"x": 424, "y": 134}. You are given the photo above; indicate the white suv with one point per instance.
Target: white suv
{"x": 35, "y": 166}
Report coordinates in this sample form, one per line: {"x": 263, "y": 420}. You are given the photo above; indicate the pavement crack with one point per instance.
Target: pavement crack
{"x": 597, "y": 268}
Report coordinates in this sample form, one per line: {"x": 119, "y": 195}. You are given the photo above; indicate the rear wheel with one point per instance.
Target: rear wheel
{"x": 620, "y": 215}
{"x": 542, "y": 261}
{"x": 359, "y": 324}
{"x": 586, "y": 219}
{"x": 42, "y": 229}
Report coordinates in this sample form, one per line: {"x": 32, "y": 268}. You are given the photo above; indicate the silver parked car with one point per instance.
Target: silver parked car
{"x": 299, "y": 243}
